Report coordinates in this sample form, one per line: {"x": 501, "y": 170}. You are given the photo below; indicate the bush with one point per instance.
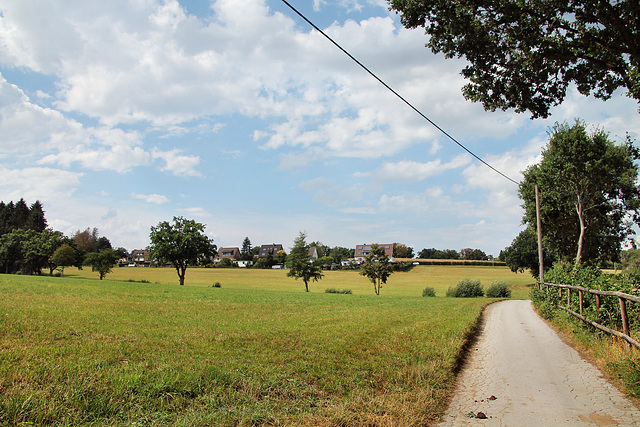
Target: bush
{"x": 337, "y": 291}
{"x": 216, "y": 285}
{"x": 499, "y": 289}
{"x": 466, "y": 288}
{"x": 428, "y": 291}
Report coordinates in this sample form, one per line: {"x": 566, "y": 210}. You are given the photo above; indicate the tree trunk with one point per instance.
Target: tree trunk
{"x": 583, "y": 227}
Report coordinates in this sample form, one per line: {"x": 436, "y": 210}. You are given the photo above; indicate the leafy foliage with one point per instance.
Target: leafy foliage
{"x": 433, "y": 253}
{"x": 588, "y": 191}
{"x": 524, "y": 55}
{"x": 181, "y": 243}
{"x": 498, "y": 289}
{"x": 428, "y": 291}
{"x": 523, "y": 254}
{"x": 300, "y": 266}
{"x": 466, "y": 288}
{"x": 64, "y": 256}
{"x": 376, "y": 267}
{"x": 102, "y": 261}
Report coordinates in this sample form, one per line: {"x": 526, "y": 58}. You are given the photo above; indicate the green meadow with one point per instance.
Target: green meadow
{"x": 137, "y": 349}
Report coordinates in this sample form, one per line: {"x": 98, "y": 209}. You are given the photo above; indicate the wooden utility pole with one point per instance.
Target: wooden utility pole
{"x": 539, "y": 226}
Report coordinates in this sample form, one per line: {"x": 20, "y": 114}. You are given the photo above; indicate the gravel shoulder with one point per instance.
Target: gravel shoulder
{"x": 520, "y": 373}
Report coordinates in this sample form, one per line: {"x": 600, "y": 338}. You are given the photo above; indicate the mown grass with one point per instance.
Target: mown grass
{"x": 400, "y": 283}
{"x": 77, "y": 351}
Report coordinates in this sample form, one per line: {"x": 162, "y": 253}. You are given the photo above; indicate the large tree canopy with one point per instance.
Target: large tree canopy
{"x": 182, "y": 242}
{"x": 589, "y": 194}
{"x": 525, "y": 54}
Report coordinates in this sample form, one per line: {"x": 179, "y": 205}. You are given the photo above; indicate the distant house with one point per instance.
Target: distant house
{"x": 244, "y": 264}
{"x": 230, "y": 253}
{"x": 364, "y": 250}
{"x": 266, "y": 250}
{"x": 140, "y": 257}
{"x": 313, "y": 253}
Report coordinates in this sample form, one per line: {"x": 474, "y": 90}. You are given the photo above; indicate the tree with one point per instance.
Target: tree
{"x": 11, "y": 255}
{"x": 523, "y": 254}
{"x": 86, "y": 240}
{"x": 63, "y": 257}
{"x": 376, "y": 267}
{"x": 473, "y": 254}
{"x": 588, "y": 192}
{"x": 36, "y": 220}
{"x": 102, "y": 261}
{"x": 181, "y": 243}
{"x": 299, "y": 264}
{"x": 525, "y": 54}
{"x": 245, "y": 252}
{"x": 401, "y": 250}
{"x": 339, "y": 253}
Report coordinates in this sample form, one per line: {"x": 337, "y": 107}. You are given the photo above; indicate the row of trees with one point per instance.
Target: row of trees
{"x": 183, "y": 242}
{"x": 28, "y": 246}
{"x": 376, "y": 266}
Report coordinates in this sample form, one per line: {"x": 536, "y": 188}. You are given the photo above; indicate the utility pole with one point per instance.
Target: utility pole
{"x": 539, "y": 226}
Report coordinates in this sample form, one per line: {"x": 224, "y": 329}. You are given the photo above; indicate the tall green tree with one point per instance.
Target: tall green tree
{"x": 376, "y": 267}
{"x": 102, "y": 261}
{"x": 245, "y": 251}
{"x": 525, "y": 54}
{"x": 299, "y": 264}
{"x": 182, "y": 243}
{"x": 589, "y": 193}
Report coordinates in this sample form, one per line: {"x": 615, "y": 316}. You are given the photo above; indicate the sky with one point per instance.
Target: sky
{"x": 119, "y": 115}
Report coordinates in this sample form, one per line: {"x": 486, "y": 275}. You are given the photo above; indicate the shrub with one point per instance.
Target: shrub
{"x": 466, "y": 288}
{"x": 337, "y": 291}
{"x": 428, "y": 291}
{"x": 216, "y": 285}
{"x": 499, "y": 289}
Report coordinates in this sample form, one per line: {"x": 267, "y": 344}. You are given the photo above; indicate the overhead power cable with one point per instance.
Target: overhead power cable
{"x": 397, "y": 94}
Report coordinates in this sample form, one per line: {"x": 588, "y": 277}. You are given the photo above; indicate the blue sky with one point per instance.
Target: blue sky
{"x": 122, "y": 114}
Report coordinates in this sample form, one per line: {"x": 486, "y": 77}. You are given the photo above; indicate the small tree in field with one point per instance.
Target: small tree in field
{"x": 376, "y": 267}
{"x": 299, "y": 264}
{"x": 64, "y": 256}
{"x": 102, "y": 261}
{"x": 181, "y": 243}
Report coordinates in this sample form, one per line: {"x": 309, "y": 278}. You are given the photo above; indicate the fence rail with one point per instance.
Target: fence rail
{"x": 625, "y": 335}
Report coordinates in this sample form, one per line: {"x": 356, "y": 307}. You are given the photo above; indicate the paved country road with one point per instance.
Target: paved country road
{"x": 520, "y": 373}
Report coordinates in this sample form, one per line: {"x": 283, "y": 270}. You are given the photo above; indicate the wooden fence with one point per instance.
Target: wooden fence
{"x": 623, "y": 298}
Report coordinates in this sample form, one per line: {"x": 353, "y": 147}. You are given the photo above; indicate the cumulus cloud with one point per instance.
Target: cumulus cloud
{"x": 45, "y": 184}
{"x": 412, "y": 171}
{"x": 177, "y": 164}
{"x": 158, "y": 199}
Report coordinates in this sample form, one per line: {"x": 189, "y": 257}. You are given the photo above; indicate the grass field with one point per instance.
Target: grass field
{"x": 257, "y": 351}
{"x": 400, "y": 284}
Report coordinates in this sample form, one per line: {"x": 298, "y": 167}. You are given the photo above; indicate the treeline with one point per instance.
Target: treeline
{"x": 468, "y": 254}
{"x": 29, "y": 246}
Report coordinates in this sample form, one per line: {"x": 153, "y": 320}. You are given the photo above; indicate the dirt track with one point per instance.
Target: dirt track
{"x": 520, "y": 373}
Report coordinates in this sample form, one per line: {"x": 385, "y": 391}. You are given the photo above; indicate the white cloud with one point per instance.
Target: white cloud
{"x": 177, "y": 164}
{"x": 37, "y": 183}
{"x": 158, "y": 199}
{"x": 412, "y": 171}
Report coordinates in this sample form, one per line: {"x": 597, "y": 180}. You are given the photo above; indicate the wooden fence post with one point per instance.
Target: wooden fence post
{"x": 598, "y": 307}
{"x": 581, "y": 303}
{"x": 568, "y": 297}
{"x": 625, "y": 320}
